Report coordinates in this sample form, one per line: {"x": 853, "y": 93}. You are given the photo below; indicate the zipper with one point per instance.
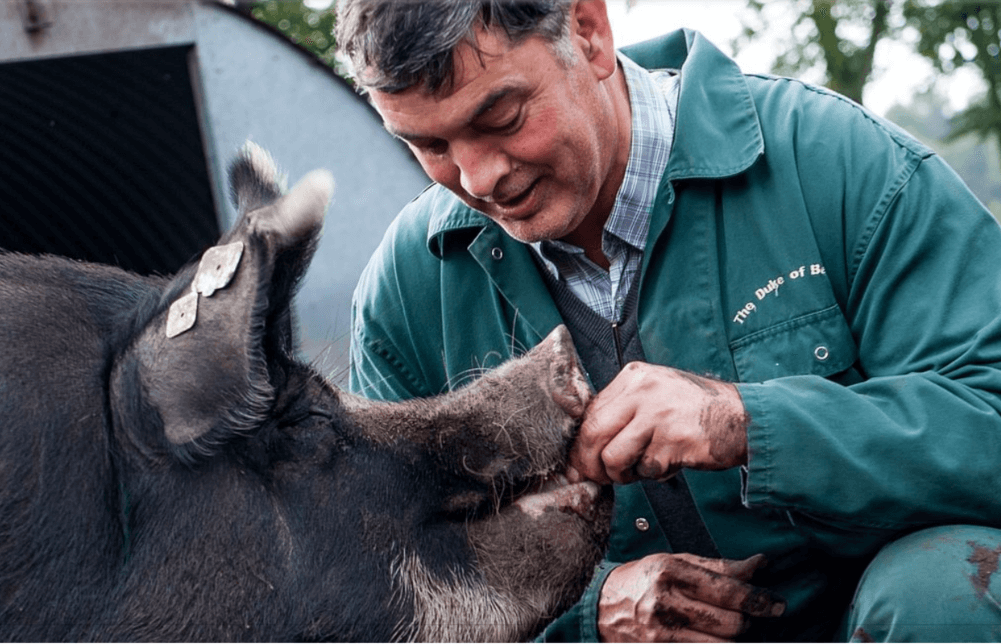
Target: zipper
{"x": 618, "y": 344}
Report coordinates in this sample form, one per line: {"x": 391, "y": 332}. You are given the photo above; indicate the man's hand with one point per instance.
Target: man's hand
{"x": 652, "y": 421}
{"x": 682, "y": 598}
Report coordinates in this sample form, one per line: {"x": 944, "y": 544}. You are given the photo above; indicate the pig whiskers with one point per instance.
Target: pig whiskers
{"x": 517, "y": 347}
{"x": 469, "y": 469}
{"x": 370, "y": 387}
{"x": 502, "y": 427}
{"x": 497, "y": 491}
{"x": 464, "y": 377}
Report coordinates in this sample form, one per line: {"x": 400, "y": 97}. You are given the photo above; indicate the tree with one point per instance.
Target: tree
{"x": 956, "y": 34}
{"x": 975, "y": 161}
{"x": 311, "y": 29}
{"x": 836, "y": 38}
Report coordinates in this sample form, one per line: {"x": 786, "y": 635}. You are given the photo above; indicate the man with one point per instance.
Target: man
{"x": 696, "y": 227}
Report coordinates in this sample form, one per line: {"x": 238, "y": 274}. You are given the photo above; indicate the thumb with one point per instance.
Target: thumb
{"x": 745, "y": 569}
{"x": 580, "y": 469}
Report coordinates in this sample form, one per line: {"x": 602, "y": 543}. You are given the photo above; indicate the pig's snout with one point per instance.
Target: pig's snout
{"x": 571, "y": 389}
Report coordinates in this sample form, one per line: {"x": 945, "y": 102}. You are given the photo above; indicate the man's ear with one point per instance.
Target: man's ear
{"x": 592, "y": 32}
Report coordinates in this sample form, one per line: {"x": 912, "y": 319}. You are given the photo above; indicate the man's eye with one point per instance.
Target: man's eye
{"x": 510, "y": 126}
{"x": 432, "y": 146}
{"x": 504, "y": 126}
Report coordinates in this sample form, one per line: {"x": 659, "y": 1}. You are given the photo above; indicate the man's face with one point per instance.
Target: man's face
{"x": 521, "y": 136}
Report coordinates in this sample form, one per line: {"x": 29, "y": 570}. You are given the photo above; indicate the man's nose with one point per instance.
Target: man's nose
{"x": 481, "y": 167}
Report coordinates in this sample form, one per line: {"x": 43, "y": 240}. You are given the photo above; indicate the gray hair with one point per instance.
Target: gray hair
{"x": 397, "y": 44}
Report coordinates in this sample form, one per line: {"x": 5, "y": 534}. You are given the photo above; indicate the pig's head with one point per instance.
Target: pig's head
{"x": 518, "y": 542}
{"x": 336, "y": 517}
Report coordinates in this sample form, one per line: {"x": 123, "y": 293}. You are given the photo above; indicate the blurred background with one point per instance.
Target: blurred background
{"x": 118, "y": 118}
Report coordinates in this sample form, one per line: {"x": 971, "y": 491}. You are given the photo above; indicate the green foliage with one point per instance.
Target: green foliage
{"x": 837, "y": 39}
{"x": 956, "y": 34}
{"x": 977, "y": 161}
{"x": 311, "y": 29}
{"x": 834, "y": 38}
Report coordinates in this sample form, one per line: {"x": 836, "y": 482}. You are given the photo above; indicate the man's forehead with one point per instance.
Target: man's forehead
{"x": 412, "y": 105}
{"x": 483, "y": 77}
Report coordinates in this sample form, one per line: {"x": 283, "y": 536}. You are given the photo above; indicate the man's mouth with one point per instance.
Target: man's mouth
{"x": 519, "y": 204}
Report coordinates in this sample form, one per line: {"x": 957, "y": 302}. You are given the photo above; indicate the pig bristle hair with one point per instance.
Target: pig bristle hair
{"x": 457, "y": 607}
{"x": 254, "y": 179}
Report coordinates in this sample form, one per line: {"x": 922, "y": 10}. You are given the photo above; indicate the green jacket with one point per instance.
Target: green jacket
{"x": 834, "y": 267}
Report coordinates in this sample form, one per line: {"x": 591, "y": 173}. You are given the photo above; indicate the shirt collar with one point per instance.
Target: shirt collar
{"x": 653, "y": 100}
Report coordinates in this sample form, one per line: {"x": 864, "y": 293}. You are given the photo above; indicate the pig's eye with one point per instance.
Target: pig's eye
{"x": 304, "y": 415}
{"x": 464, "y": 504}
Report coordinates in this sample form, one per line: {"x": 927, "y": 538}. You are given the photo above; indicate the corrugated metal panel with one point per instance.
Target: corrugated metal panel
{"x": 101, "y": 159}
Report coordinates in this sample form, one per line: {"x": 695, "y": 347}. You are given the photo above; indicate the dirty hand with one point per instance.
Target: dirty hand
{"x": 651, "y": 421}
{"x": 682, "y": 598}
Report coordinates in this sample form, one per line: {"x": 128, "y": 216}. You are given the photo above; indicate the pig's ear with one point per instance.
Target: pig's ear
{"x": 208, "y": 364}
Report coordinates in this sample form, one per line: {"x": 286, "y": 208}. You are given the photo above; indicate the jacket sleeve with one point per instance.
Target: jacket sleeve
{"x": 917, "y": 440}
{"x": 580, "y": 623}
{"x": 390, "y": 333}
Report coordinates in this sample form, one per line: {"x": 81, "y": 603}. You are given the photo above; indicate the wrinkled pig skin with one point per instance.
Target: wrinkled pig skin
{"x": 210, "y": 486}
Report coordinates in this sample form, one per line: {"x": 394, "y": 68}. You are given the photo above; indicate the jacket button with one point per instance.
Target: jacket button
{"x": 497, "y": 253}
{"x": 642, "y": 524}
{"x": 821, "y": 353}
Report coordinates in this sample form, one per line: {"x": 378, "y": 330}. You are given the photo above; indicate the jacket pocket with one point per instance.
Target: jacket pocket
{"x": 817, "y": 344}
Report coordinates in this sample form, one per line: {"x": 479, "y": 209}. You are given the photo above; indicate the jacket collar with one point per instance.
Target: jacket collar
{"x": 717, "y": 132}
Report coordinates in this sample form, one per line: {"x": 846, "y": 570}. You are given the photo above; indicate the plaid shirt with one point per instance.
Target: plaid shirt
{"x": 653, "y": 98}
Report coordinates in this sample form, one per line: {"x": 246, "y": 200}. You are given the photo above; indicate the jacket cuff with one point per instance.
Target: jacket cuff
{"x": 589, "y": 601}
{"x": 756, "y": 476}
{"x": 580, "y": 622}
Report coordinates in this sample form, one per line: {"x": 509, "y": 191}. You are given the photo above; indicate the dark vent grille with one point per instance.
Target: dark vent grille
{"x": 101, "y": 159}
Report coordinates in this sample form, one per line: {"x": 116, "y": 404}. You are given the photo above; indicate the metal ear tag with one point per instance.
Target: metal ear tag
{"x": 182, "y": 315}
{"x": 217, "y": 268}
{"x": 215, "y": 271}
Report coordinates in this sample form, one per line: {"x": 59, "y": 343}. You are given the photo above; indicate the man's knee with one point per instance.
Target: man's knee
{"x": 937, "y": 584}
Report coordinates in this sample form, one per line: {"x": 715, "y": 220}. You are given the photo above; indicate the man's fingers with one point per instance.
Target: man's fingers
{"x": 679, "y": 597}
{"x": 682, "y": 613}
{"x": 742, "y": 569}
{"x": 624, "y": 451}
{"x": 573, "y": 476}
{"x": 587, "y": 463}
{"x": 738, "y": 595}
{"x": 720, "y": 589}
{"x": 692, "y": 636}
{"x": 602, "y": 423}
{"x": 651, "y": 466}
{"x": 745, "y": 569}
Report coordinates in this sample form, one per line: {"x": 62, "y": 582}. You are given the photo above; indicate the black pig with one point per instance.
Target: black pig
{"x": 169, "y": 470}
